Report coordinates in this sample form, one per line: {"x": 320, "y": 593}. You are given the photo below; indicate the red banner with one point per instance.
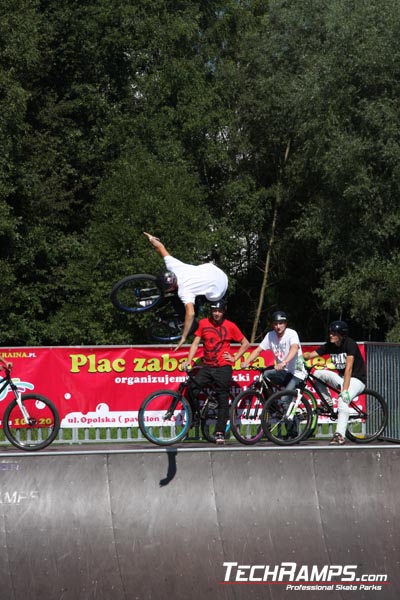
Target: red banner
{"x": 103, "y": 386}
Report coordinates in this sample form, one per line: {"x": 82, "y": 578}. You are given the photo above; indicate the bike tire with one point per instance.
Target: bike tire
{"x": 368, "y": 429}
{"x": 167, "y": 329}
{"x": 43, "y": 429}
{"x": 136, "y": 293}
{"x": 307, "y": 395}
{"x": 153, "y": 423}
{"x": 245, "y": 417}
{"x": 277, "y": 427}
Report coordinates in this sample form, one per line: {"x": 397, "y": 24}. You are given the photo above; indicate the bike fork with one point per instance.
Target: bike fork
{"x": 293, "y": 406}
{"x": 22, "y": 407}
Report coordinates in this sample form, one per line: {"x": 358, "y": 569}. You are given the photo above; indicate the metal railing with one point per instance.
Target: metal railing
{"x": 383, "y": 376}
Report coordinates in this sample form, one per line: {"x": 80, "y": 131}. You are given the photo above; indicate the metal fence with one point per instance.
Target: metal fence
{"x": 383, "y": 376}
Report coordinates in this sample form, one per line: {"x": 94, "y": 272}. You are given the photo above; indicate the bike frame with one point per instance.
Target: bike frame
{"x": 8, "y": 382}
{"x": 360, "y": 413}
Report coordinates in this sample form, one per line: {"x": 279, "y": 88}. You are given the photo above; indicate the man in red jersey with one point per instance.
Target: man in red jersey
{"x": 217, "y": 333}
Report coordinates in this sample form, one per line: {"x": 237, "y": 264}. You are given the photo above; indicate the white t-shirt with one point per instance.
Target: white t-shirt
{"x": 280, "y": 348}
{"x": 202, "y": 280}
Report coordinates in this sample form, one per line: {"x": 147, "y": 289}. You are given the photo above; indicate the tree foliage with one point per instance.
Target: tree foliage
{"x": 199, "y": 122}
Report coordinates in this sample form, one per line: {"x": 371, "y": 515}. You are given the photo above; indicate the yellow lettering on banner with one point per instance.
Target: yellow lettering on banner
{"x": 118, "y": 365}
{"x": 104, "y": 365}
{"x": 153, "y": 365}
{"x": 320, "y": 362}
{"x": 77, "y": 361}
{"x": 169, "y": 364}
{"x": 139, "y": 364}
{"x": 258, "y": 362}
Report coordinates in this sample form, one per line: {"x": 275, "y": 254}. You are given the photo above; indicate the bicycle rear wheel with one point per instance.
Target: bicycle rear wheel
{"x": 165, "y": 417}
{"x": 370, "y": 420}
{"x": 167, "y": 328}
{"x": 283, "y": 425}
{"x": 245, "y": 417}
{"x": 41, "y": 428}
{"x": 136, "y": 293}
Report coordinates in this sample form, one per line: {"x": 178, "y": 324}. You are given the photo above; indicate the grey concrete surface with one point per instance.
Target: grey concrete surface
{"x": 120, "y": 524}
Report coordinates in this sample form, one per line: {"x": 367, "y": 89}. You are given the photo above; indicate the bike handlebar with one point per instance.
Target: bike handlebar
{"x": 260, "y": 369}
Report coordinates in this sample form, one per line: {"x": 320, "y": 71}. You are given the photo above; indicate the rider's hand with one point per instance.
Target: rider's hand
{"x": 244, "y": 365}
{"x": 228, "y": 356}
{"x": 154, "y": 241}
{"x": 181, "y": 342}
{"x": 345, "y": 397}
{"x": 187, "y": 365}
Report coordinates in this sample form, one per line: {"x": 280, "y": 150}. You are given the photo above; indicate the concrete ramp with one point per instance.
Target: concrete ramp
{"x": 232, "y": 524}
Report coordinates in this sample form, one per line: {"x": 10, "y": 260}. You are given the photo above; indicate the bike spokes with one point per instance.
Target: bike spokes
{"x": 165, "y": 418}
{"x": 34, "y": 426}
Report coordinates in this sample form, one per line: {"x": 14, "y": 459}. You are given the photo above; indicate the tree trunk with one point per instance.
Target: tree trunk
{"x": 269, "y": 248}
{"x": 266, "y": 268}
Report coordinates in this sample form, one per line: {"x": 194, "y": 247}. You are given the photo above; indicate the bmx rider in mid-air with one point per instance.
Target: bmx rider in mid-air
{"x": 189, "y": 281}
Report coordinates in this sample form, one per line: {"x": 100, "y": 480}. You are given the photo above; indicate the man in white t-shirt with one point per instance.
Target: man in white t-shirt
{"x": 189, "y": 281}
{"x": 285, "y": 344}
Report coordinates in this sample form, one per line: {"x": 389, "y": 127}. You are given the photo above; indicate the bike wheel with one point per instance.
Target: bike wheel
{"x": 39, "y": 431}
{"x": 245, "y": 417}
{"x": 310, "y": 398}
{"x": 167, "y": 329}
{"x": 165, "y": 417}
{"x": 368, "y": 418}
{"x": 281, "y": 428}
{"x": 136, "y": 293}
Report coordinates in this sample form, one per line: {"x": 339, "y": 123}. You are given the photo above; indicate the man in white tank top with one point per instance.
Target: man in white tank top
{"x": 189, "y": 281}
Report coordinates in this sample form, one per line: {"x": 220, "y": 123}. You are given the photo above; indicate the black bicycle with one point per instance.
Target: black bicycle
{"x": 30, "y": 421}
{"x": 247, "y": 406}
{"x": 139, "y": 294}
{"x": 367, "y": 420}
{"x": 166, "y": 416}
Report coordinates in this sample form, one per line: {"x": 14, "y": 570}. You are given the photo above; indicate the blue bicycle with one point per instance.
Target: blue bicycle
{"x": 166, "y": 416}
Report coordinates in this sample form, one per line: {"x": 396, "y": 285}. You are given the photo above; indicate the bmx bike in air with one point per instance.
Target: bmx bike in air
{"x": 139, "y": 293}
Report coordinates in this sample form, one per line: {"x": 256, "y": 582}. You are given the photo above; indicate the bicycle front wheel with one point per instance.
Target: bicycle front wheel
{"x": 136, "y": 293}
{"x": 283, "y": 422}
{"x": 368, "y": 417}
{"x": 165, "y": 417}
{"x": 38, "y": 430}
{"x": 245, "y": 417}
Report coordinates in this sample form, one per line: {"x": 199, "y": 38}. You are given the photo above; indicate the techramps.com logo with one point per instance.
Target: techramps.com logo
{"x": 296, "y": 577}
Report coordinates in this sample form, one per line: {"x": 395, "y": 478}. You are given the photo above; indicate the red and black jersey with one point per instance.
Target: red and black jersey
{"x": 217, "y": 340}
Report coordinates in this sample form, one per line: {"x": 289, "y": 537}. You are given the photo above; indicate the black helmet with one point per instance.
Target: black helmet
{"x": 166, "y": 281}
{"x": 339, "y": 327}
{"x": 279, "y": 315}
{"x": 221, "y": 304}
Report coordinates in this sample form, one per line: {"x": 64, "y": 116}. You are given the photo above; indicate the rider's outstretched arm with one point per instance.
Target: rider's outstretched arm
{"x": 157, "y": 245}
{"x": 189, "y": 318}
